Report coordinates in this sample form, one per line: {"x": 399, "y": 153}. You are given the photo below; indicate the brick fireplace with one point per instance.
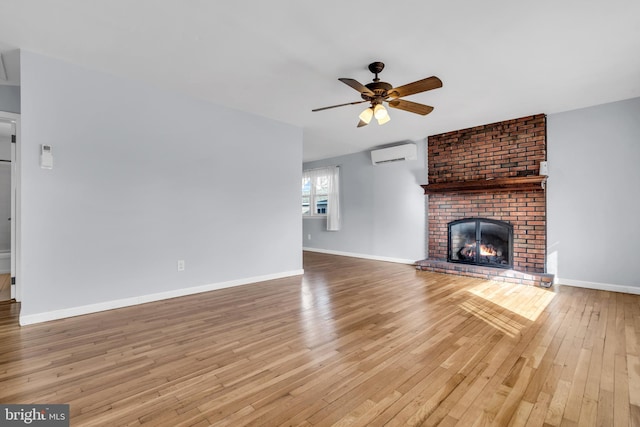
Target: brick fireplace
{"x": 493, "y": 172}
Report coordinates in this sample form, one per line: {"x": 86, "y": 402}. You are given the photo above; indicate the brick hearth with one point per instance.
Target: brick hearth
{"x": 513, "y": 148}
{"x": 488, "y": 273}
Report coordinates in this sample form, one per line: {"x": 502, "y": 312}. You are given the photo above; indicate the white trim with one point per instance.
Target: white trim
{"x": 126, "y": 302}
{"x": 365, "y": 256}
{"x": 599, "y": 286}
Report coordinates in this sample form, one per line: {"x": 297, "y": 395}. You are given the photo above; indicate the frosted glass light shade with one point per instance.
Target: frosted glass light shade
{"x": 384, "y": 119}
{"x": 366, "y": 115}
{"x": 379, "y": 111}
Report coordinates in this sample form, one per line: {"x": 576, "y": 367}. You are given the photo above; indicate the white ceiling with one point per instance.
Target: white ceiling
{"x": 498, "y": 59}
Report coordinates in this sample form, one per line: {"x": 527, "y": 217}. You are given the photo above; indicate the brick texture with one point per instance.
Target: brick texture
{"x": 498, "y": 150}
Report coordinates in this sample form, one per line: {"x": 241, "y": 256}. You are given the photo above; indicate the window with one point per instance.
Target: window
{"x": 320, "y": 195}
{"x": 315, "y": 194}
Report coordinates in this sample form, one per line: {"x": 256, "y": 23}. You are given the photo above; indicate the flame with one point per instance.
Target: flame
{"x": 487, "y": 250}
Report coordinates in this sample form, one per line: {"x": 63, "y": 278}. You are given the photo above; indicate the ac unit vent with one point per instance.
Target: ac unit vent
{"x": 399, "y": 159}
{"x": 397, "y": 153}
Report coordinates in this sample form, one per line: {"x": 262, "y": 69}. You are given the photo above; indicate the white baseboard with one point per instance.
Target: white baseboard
{"x": 598, "y": 286}
{"x": 126, "y": 302}
{"x": 365, "y": 256}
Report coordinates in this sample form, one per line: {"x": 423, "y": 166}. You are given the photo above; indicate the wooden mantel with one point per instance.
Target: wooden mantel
{"x": 519, "y": 183}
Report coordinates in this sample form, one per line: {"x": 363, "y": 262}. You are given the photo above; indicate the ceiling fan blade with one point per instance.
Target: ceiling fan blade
{"x": 416, "y": 87}
{"x": 362, "y": 123}
{"x": 357, "y": 86}
{"x": 412, "y": 107}
{"x": 339, "y": 105}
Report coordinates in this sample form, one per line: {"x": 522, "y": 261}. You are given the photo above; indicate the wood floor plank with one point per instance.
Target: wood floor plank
{"x": 5, "y": 287}
{"x": 353, "y": 342}
{"x": 621, "y": 409}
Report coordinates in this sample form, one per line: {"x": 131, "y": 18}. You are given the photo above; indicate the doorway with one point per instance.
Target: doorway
{"x": 8, "y": 205}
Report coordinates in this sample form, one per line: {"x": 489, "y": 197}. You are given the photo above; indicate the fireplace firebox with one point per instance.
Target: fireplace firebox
{"x": 481, "y": 241}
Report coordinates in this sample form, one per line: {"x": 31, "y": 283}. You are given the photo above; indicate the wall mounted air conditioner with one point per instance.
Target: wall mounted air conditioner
{"x": 397, "y": 153}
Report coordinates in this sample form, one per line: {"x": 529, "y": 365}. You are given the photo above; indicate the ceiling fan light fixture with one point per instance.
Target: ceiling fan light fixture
{"x": 380, "y": 112}
{"x": 366, "y": 115}
{"x": 378, "y": 92}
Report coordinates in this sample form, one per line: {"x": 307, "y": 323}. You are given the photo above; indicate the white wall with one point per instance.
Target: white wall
{"x": 144, "y": 177}
{"x": 10, "y": 98}
{"x": 593, "y": 203}
{"x": 383, "y": 209}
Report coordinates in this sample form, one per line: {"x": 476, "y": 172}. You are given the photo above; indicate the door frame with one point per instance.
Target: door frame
{"x": 14, "y": 119}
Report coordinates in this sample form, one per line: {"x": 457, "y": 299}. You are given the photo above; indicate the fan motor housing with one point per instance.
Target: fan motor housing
{"x": 379, "y": 88}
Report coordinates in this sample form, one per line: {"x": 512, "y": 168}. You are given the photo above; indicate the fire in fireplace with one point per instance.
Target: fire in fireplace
{"x": 481, "y": 241}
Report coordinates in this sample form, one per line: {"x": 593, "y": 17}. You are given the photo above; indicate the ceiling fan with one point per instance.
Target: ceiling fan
{"x": 377, "y": 92}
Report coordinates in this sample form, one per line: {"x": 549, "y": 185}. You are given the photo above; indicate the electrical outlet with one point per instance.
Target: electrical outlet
{"x": 308, "y": 236}
{"x": 544, "y": 168}
{"x": 180, "y": 265}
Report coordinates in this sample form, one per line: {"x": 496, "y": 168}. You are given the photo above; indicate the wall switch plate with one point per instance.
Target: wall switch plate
{"x": 180, "y": 265}
{"x": 308, "y": 236}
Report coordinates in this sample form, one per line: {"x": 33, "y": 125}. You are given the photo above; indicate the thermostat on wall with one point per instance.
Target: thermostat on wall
{"x": 46, "y": 157}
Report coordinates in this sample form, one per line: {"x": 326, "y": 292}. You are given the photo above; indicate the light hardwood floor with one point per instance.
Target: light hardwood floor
{"x": 5, "y": 287}
{"x": 352, "y": 343}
